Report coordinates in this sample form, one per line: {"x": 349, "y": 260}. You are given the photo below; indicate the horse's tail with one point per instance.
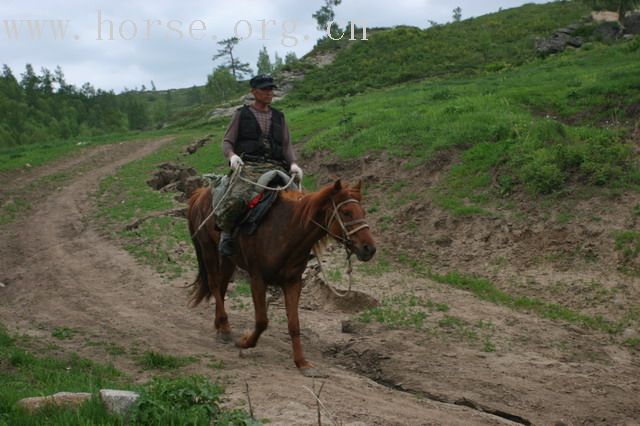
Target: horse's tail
{"x": 200, "y": 289}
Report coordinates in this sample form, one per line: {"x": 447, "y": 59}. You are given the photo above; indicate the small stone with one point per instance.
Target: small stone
{"x": 348, "y": 326}
{"x": 62, "y": 399}
{"x": 619, "y": 301}
{"x": 117, "y": 401}
{"x": 630, "y": 333}
{"x": 2, "y": 285}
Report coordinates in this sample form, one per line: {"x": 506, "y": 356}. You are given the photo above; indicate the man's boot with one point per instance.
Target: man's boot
{"x": 226, "y": 243}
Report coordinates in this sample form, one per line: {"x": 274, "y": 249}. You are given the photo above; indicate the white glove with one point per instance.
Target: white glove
{"x": 235, "y": 162}
{"x": 296, "y": 171}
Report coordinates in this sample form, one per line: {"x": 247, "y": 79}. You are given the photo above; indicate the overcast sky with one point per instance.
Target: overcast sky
{"x": 117, "y": 44}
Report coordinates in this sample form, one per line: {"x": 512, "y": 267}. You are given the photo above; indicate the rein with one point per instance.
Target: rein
{"x": 344, "y": 240}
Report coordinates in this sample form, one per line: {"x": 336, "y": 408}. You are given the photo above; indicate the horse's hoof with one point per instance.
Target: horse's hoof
{"x": 242, "y": 344}
{"x": 314, "y": 372}
{"x": 224, "y": 338}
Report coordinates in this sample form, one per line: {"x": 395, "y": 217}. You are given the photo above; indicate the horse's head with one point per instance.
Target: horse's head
{"x": 346, "y": 221}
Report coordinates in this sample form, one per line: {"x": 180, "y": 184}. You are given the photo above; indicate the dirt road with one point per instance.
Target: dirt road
{"x": 60, "y": 271}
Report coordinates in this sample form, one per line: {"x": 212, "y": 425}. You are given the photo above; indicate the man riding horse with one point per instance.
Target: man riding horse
{"x": 257, "y": 139}
{"x": 277, "y": 253}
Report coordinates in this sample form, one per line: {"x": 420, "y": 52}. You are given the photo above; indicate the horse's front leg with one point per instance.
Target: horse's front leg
{"x": 291, "y": 299}
{"x": 259, "y": 294}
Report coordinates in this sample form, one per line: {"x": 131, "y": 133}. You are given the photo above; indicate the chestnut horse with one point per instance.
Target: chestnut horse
{"x": 277, "y": 253}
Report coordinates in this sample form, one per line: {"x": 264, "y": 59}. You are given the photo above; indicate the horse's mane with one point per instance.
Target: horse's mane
{"x": 308, "y": 204}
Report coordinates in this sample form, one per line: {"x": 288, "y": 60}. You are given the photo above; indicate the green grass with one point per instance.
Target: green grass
{"x": 25, "y": 375}
{"x": 486, "y": 290}
{"x": 156, "y": 361}
{"x": 633, "y": 344}
{"x": 402, "y": 311}
{"x": 163, "y": 242}
{"x": 173, "y": 401}
{"x": 241, "y": 288}
{"x": 531, "y": 128}
{"x": 628, "y": 243}
{"x": 37, "y": 154}
{"x": 12, "y": 209}
{"x": 377, "y": 266}
{"x": 63, "y": 333}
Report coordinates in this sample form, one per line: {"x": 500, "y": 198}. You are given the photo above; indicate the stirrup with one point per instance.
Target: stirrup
{"x": 225, "y": 245}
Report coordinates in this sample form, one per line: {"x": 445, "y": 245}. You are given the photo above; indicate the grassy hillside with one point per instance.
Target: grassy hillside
{"x": 557, "y": 120}
{"x": 491, "y": 42}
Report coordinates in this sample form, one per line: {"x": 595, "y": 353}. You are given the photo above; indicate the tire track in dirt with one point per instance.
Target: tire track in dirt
{"x": 62, "y": 273}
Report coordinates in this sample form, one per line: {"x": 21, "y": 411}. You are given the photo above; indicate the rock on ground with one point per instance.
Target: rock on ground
{"x": 63, "y": 399}
{"x": 118, "y": 401}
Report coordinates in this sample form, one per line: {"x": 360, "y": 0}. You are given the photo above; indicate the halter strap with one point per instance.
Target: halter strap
{"x": 346, "y": 233}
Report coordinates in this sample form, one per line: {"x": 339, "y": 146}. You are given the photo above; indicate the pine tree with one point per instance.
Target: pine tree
{"x": 290, "y": 58}
{"x": 193, "y": 96}
{"x": 220, "y": 83}
{"x": 457, "y": 14}
{"x": 237, "y": 67}
{"x": 29, "y": 83}
{"x": 277, "y": 63}
{"x": 58, "y": 78}
{"x": 325, "y": 14}
{"x": 264, "y": 63}
{"x": 46, "y": 81}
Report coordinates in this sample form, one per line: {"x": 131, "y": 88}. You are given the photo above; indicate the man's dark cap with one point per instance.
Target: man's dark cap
{"x": 262, "y": 81}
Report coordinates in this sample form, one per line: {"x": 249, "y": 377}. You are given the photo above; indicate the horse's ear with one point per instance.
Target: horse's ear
{"x": 356, "y": 190}
{"x": 337, "y": 186}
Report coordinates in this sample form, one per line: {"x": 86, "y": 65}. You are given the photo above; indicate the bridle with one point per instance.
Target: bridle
{"x": 344, "y": 239}
{"x": 346, "y": 233}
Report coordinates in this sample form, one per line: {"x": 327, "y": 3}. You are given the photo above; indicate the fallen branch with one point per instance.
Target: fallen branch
{"x": 318, "y": 401}
{"x": 321, "y": 406}
{"x": 249, "y": 399}
{"x": 180, "y": 212}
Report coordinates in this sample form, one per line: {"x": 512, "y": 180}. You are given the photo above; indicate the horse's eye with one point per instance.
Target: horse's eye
{"x": 348, "y": 214}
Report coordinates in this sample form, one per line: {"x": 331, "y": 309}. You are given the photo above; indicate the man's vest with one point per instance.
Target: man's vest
{"x": 250, "y": 136}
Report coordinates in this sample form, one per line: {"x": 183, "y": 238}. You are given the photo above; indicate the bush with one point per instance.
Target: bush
{"x": 541, "y": 174}
{"x": 192, "y": 400}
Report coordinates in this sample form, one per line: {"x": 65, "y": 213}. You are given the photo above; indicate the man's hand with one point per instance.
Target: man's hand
{"x": 235, "y": 162}
{"x": 296, "y": 171}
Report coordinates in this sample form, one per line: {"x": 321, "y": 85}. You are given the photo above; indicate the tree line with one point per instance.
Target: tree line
{"x": 43, "y": 106}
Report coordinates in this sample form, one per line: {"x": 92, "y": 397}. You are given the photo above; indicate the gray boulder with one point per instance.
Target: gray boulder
{"x": 608, "y": 32}
{"x": 118, "y": 401}
{"x": 557, "y": 43}
{"x": 631, "y": 23}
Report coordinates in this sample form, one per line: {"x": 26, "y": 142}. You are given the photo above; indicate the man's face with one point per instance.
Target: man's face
{"x": 264, "y": 96}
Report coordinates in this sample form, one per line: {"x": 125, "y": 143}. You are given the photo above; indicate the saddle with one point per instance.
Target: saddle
{"x": 260, "y": 204}
{"x": 262, "y": 200}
